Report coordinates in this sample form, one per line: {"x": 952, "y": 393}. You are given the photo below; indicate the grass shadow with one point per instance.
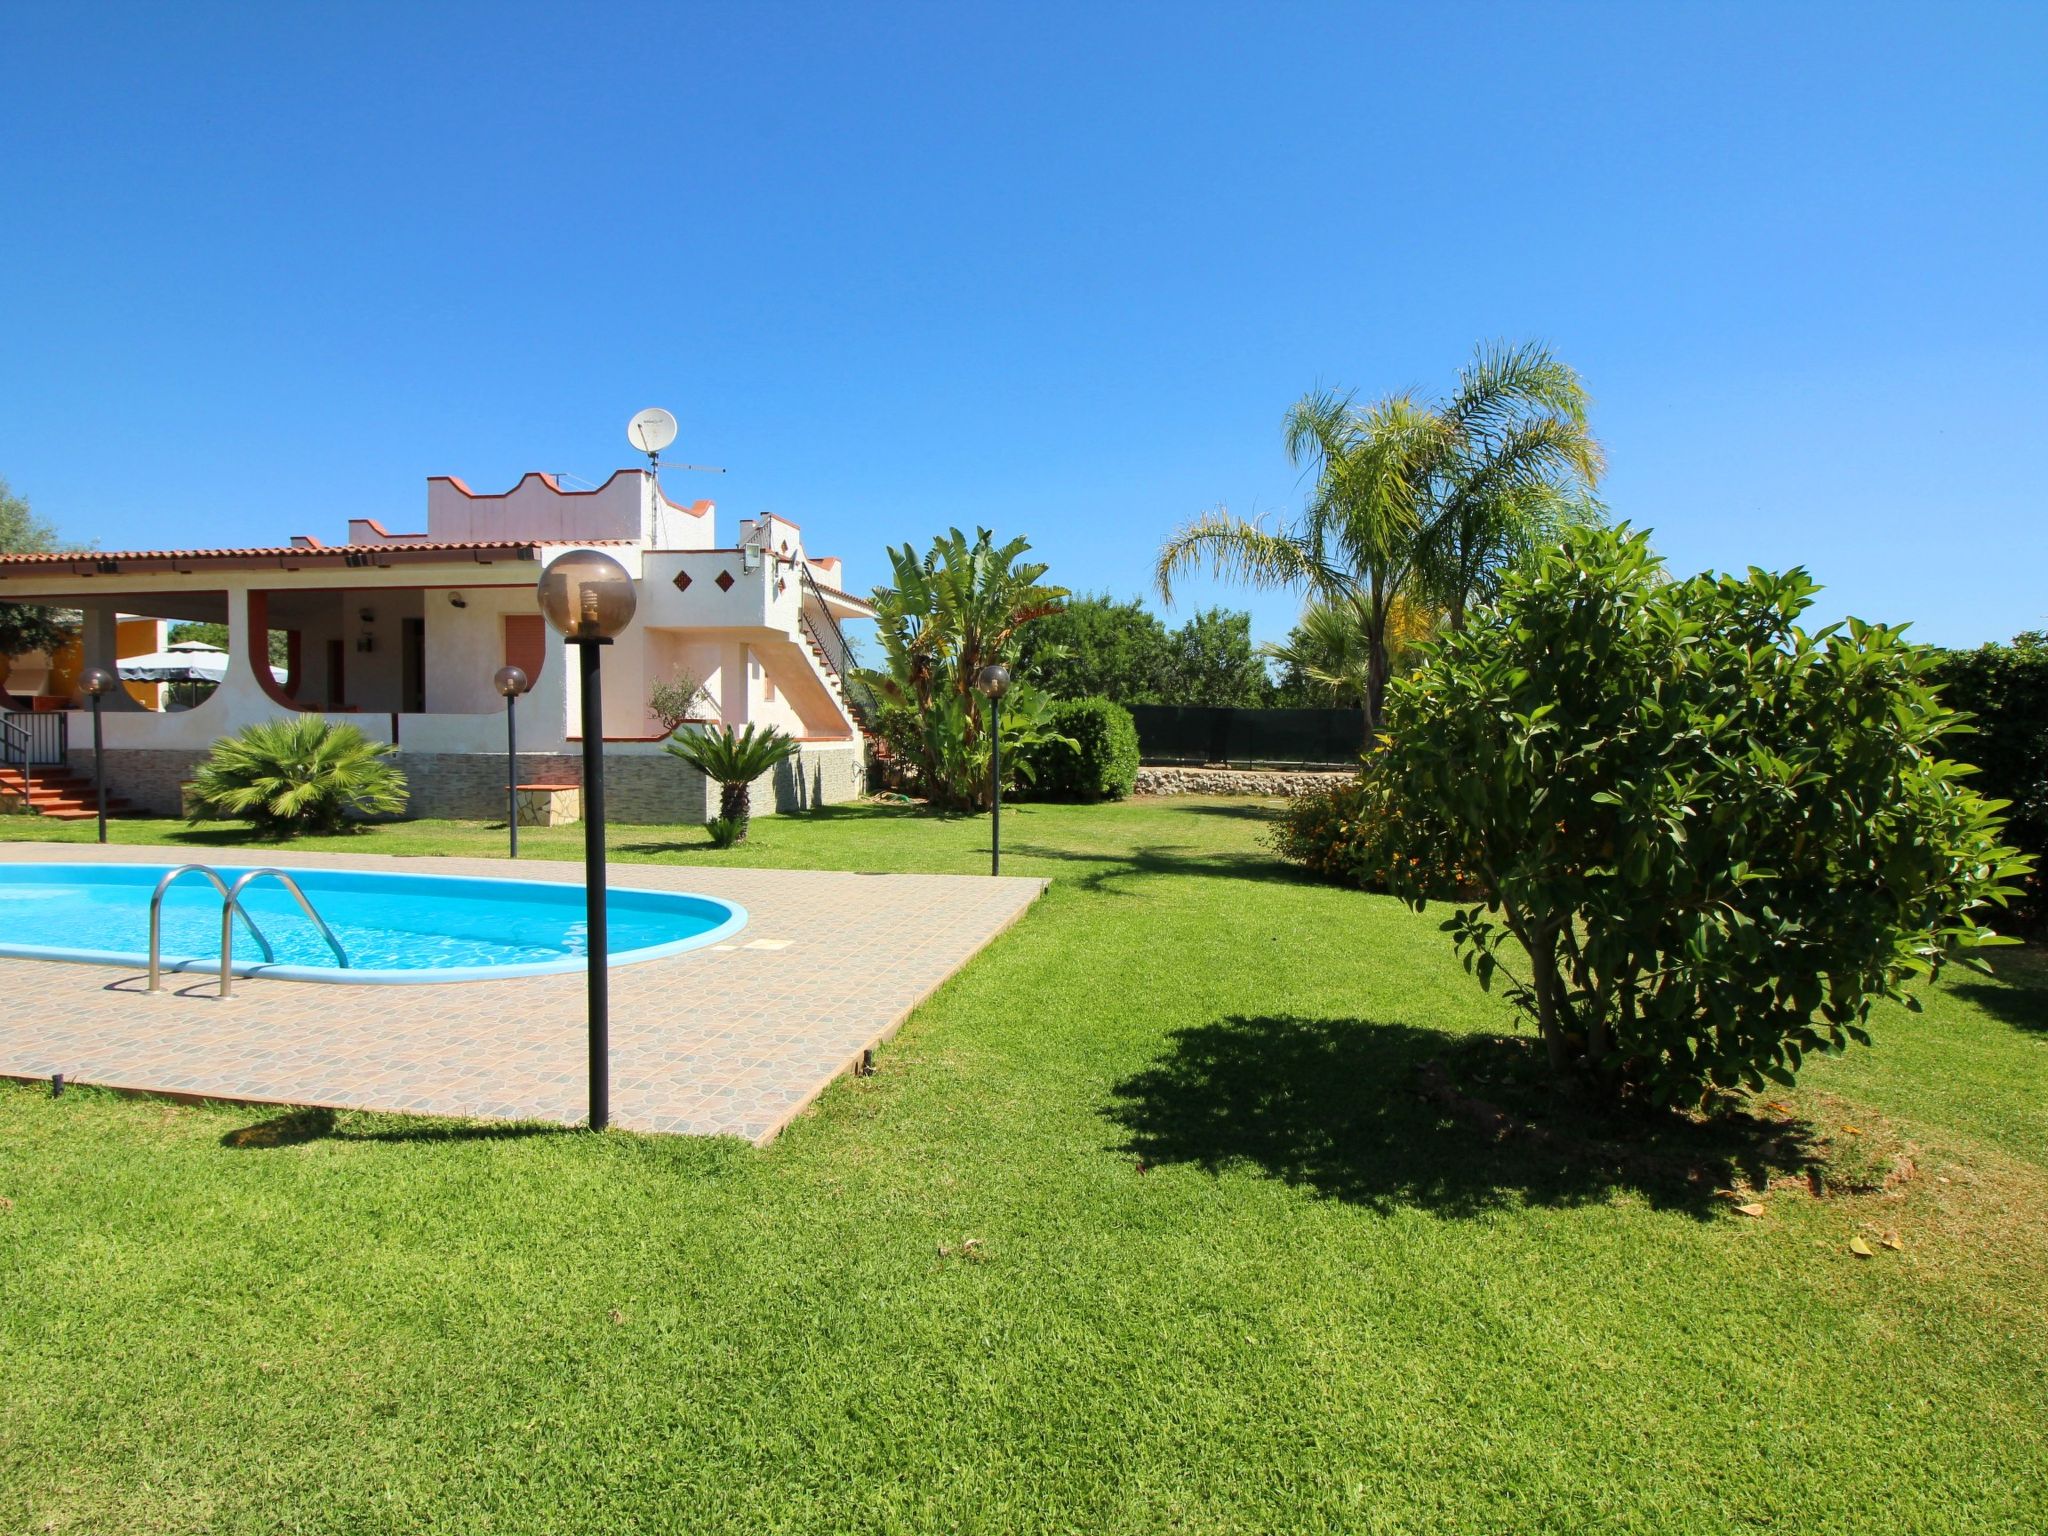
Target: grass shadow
{"x": 295, "y": 1127}
{"x": 1389, "y": 1116}
{"x": 2023, "y": 1008}
{"x": 1255, "y": 810}
{"x": 1105, "y": 869}
{"x": 2016, "y": 992}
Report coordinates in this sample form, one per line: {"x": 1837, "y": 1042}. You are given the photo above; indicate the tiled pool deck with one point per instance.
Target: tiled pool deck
{"x": 733, "y": 1040}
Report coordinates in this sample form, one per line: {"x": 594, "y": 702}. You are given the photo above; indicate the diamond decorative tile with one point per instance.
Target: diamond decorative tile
{"x": 725, "y": 581}
{"x": 682, "y": 581}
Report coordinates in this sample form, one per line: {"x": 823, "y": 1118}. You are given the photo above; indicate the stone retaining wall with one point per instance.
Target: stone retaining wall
{"x": 1233, "y": 781}
{"x": 650, "y": 788}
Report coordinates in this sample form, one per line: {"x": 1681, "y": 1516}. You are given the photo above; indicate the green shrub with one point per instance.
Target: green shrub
{"x": 675, "y": 699}
{"x": 1343, "y": 832}
{"x": 1092, "y": 753}
{"x": 1708, "y": 841}
{"x": 2004, "y": 689}
{"x": 304, "y": 774}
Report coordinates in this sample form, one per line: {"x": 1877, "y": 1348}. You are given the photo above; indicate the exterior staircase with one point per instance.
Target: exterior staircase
{"x": 830, "y": 673}
{"x": 59, "y": 794}
{"x": 830, "y": 654}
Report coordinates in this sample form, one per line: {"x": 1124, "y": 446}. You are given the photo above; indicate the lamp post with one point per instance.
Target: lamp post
{"x": 511, "y": 682}
{"x": 589, "y": 598}
{"x": 994, "y": 680}
{"x": 95, "y": 683}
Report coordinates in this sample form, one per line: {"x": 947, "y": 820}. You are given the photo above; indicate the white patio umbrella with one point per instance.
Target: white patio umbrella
{"x": 184, "y": 661}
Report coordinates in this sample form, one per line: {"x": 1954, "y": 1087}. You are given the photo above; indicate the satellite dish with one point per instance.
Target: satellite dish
{"x": 652, "y": 430}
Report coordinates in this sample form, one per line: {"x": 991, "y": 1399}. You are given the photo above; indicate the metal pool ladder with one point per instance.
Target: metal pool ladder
{"x": 230, "y": 907}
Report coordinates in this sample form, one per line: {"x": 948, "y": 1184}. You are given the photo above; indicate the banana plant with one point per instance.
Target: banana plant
{"x": 951, "y": 611}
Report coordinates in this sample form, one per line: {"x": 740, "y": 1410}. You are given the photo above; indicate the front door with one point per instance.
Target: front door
{"x": 413, "y": 665}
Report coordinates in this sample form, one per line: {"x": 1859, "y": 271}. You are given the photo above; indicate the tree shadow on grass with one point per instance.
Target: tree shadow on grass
{"x": 1387, "y": 1116}
{"x": 1248, "y": 810}
{"x": 2022, "y": 1004}
{"x": 297, "y": 1126}
{"x": 1111, "y": 865}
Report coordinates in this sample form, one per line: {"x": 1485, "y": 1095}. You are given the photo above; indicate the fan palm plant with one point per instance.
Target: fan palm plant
{"x": 302, "y": 774}
{"x": 732, "y": 760}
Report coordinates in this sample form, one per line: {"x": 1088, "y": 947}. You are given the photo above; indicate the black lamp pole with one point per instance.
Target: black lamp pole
{"x": 593, "y": 881}
{"x": 994, "y": 681}
{"x": 589, "y": 597}
{"x": 95, "y": 682}
{"x": 512, "y": 771}
{"x": 99, "y": 766}
{"x": 511, "y": 682}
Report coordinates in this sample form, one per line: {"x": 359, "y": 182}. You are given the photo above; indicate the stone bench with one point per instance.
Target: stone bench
{"x": 548, "y": 805}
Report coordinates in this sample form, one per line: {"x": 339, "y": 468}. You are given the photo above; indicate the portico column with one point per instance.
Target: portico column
{"x": 100, "y": 641}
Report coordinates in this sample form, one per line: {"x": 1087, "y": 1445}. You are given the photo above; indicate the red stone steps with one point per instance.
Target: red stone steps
{"x": 60, "y": 794}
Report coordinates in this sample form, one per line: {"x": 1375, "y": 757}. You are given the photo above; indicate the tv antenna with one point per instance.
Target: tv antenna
{"x": 653, "y": 430}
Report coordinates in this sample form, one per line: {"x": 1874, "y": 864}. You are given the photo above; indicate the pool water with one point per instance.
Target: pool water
{"x": 393, "y": 927}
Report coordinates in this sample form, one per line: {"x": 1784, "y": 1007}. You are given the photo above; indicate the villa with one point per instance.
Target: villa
{"x": 402, "y": 633}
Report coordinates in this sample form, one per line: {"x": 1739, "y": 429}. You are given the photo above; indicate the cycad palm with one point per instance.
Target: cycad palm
{"x": 733, "y": 760}
{"x": 302, "y": 774}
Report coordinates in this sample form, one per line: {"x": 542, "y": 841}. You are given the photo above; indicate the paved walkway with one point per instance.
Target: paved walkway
{"x": 733, "y": 1040}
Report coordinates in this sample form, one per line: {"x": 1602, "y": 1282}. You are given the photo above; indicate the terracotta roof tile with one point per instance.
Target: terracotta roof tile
{"x": 285, "y": 551}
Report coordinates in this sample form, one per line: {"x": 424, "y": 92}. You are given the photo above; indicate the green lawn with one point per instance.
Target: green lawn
{"x": 1143, "y": 1224}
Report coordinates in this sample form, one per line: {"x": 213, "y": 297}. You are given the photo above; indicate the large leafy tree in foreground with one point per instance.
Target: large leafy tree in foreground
{"x": 959, "y": 607}
{"x": 1708, "y": 839}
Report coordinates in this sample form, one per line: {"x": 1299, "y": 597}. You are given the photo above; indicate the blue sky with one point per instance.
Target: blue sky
{"x": 1053, "y": 270}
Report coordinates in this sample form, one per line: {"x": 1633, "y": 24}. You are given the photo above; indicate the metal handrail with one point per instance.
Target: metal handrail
{"x": 842, "y": 663}
{"x": 837, "y": 651}
{"x": 28, "y": 753}
{"x": 234, "y": 905}
{"x": 156, "y": 918}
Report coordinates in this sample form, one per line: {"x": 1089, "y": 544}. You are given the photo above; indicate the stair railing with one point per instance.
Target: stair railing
{"x": 29, "y": 737}
{"x": 833, "y": 647}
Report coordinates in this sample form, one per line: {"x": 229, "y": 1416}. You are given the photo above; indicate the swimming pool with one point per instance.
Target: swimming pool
{"x": 393, "y": 927}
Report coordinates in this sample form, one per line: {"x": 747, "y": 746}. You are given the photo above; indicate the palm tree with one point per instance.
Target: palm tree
{"x": 302, "y": 774}
{"x": 1518, "y": 465}
{"x": 1355, "y": 543}
{"x": 732, "y": 760}
{"x": 1423, "y": 499}
{"x": 1327, "y": 647}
